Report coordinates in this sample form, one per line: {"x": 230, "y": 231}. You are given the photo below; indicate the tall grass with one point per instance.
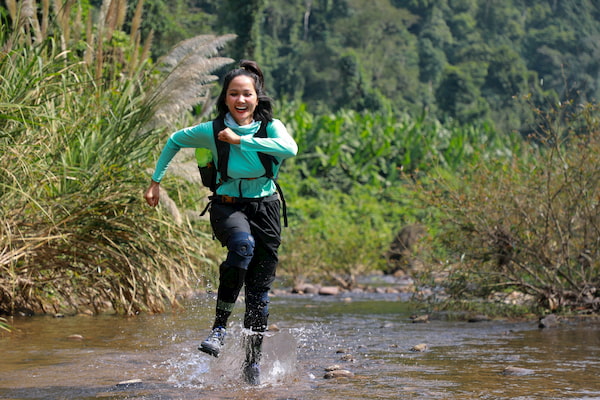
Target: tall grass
{"x": 76, "y": 139}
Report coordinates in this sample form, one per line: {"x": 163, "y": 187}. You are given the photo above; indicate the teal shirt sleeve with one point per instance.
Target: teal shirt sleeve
{"x": 279, "y": 143}
{"x": 196, "y": 136}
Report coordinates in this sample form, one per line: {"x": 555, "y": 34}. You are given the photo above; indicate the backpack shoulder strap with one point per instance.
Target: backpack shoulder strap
{"x": 222, "y": 149}
{"x": 267, "y": 160}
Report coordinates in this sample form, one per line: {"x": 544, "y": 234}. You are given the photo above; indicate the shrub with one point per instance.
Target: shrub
{"x": 531, "y": 223}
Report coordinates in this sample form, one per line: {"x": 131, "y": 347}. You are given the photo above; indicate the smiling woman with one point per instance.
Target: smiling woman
{"x": 245, "y": 208}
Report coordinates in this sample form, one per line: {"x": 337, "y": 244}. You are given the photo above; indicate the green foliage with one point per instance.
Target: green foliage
{"x": 379, "y": 148}
{"x": 337, "y": 236}
{"x": 350, "y": 190}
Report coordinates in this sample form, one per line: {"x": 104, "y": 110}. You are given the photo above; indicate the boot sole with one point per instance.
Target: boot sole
{"x": 209, "y": 350}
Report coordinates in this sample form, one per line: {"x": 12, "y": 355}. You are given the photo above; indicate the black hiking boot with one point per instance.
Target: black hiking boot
{"x": 214, "y": 342}
{"x": 252, "y": 374}
{"x": 251, "y": 367}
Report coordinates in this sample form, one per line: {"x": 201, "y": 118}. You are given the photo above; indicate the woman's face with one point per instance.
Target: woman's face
{"x": 241, "y": 99}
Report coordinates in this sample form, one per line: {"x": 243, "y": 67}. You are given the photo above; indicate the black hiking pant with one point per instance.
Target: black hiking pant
{"x": 251, "y": 230}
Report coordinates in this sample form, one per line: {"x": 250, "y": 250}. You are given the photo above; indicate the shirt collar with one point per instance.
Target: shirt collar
{"x": 245, "y": 129}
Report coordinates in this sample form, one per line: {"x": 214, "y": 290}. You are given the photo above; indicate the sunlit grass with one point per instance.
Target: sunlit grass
{"x": 77, "y": 138}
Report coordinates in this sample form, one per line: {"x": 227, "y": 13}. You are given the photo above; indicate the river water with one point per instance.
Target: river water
{"x": 371, "y": 336}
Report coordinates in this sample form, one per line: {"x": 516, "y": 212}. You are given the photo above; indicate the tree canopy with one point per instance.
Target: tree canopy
{"x": 463, "y": 60}
{"x": 459, "y": 59}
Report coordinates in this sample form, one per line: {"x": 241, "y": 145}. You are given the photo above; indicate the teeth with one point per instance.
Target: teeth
{"x": 241, "y": 108}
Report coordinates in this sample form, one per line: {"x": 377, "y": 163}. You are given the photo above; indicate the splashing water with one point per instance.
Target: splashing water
{"x": 198, "y": 370}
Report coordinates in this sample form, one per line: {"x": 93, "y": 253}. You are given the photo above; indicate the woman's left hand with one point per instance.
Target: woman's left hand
{"x": 229, "y": 136}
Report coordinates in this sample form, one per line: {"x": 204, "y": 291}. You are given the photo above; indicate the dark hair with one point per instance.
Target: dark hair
{"x": 264, "y": 108}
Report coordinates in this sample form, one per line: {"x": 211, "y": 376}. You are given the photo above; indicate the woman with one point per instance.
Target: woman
{"x": 245, "y": 209}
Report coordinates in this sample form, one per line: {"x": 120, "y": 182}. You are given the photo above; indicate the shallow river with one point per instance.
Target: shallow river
{"x": 371, "y": 336}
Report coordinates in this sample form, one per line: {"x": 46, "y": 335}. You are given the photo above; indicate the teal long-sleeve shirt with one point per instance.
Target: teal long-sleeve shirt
{"x": 244, "y": 161}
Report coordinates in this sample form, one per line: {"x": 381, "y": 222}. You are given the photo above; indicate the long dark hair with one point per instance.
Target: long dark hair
{"x": 264, "y": 108}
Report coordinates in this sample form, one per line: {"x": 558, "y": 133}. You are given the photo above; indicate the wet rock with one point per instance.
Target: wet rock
{"x": 333, "y": 367}
{"x": 75, "y": 337}
{"x": 338, "y": 373}
{"x": 517, "y": 371}
{"x": 129, "y": 383}
{"x": 341, "y": 351}
{"x": 305, "y": 288}
{"x": 406, "y": 281}
{"x": 419, "y": 348}
{"x": 420, "y": 319}
{"x": 347, "y": 357}
{"x": 329, "y": 291}
{"x": 548, "y": 321}
{"x": 273, "y": 328}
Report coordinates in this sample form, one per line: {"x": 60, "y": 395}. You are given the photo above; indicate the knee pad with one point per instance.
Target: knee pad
{"x": 240, "y": 248}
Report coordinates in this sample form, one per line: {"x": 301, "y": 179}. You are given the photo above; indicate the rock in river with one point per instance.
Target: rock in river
{"x": 516, "y": 371}
{"x": 419, "y": 347}
{"x": 338, "y": 373}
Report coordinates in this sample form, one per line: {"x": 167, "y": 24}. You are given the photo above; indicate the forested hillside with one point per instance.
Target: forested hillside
{"x": 463, "y": 59}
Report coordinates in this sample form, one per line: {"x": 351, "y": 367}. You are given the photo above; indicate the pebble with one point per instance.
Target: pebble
{"x": 419, "y": 347}
{"x": 416, "y": 319}
{"x": 329, "y": 291}
{"x": 516, "y": 371}
{"x": 131, "y": 382}
{"x": 75, "y": 337}
{"x": 305, "y": 288}
{"x": 333, "y": 367}
{"x": 338, "y": 373}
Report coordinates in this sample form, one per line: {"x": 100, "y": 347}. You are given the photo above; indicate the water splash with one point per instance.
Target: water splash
{"x": 193, "y": 369}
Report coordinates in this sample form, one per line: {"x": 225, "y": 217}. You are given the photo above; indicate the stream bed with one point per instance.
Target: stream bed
{"x": 371, "y": 336}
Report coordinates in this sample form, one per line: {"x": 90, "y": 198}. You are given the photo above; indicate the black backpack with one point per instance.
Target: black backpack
{"x": 208, "y": 173}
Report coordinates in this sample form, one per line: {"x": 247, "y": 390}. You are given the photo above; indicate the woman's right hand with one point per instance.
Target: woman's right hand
{"x": 152, "y": 195}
